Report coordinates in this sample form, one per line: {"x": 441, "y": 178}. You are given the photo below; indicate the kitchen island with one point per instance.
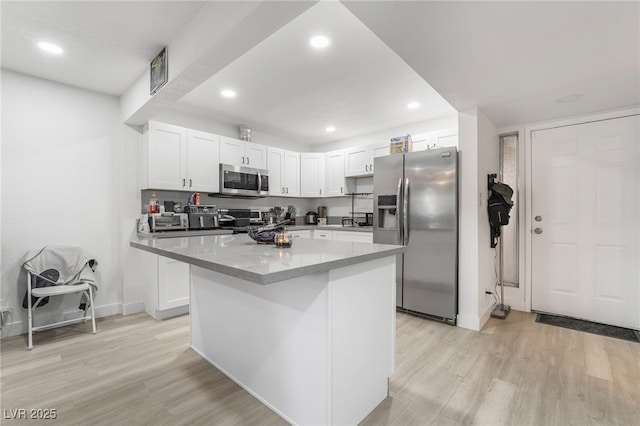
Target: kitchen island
{"x": 308, "y": 330}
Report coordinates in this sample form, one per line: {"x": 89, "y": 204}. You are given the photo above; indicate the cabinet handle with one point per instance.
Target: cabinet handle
{"x": 341, "y": 190}
{"x": 287, "y": 189}
{"x": 190, "y": 183}
{"x": 371, "y": 168}
{"x": 184, "y": 182}
{"x": 320, "y": 191}
{"x": 247, "y": 160}
{"x": 242, "y": 160}
{"x": 282, "y": 192}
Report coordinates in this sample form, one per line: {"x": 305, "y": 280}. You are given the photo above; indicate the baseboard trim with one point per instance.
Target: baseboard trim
{"x": 132, "y": 308}
{"x": 17, "y": 328}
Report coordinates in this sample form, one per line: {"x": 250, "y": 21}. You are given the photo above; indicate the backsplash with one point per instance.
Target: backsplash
{"x": 337, "y": 207}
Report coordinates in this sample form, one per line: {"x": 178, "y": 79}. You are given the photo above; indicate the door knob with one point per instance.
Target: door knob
{"x": 538, "y": 231}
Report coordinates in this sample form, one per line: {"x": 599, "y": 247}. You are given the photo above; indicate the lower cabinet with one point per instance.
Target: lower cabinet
{"x": 321, "y": 234}
{"x": 305, "y": 233}
{"x": 166, "y": 286}
{"x": 356, "y": 237}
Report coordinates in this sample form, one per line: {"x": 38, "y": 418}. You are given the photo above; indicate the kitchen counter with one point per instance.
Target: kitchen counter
{"x": 332, "y": 227}
{"x": 317, "y": 344}
{"x": 239, "y": 256}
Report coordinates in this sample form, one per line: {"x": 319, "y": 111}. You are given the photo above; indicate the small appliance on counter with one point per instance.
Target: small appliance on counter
{"x": 168, "y": 222}
{"x": 322, "y": 215}
{"x": 202, "y": 217}
{"x": 239, "y": 220}
{"x": 311, "y": 218}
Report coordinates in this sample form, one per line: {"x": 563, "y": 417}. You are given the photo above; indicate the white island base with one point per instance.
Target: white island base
{"x": 317, "y": 349}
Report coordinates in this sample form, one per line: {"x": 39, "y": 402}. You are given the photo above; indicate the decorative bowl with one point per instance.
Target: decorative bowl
{"x": 264, "y": 237}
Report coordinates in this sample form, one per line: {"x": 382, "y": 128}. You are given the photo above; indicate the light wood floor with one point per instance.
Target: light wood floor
{"x": 137, "y": 371}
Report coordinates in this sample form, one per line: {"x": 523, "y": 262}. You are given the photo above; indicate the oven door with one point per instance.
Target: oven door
{"x": 243, "y": 181}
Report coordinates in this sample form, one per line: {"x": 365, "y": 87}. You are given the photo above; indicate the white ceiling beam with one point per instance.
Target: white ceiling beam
{"x": 219, "y": 34}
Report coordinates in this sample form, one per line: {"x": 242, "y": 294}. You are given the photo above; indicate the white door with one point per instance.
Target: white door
{"x": 255, "y": 155}
{"x": 275, "y": 160}
{"x": 336, "y": 184}
{"x": 358, "y": 161}
{"x": 585, "y": 214}
{"x": 173, "y": 283}
{"x": 311, "y": 175}
{"x": 203, "y": 161}
{"x": 232, "y": 151}
{"x": 291, "y": 174}
{"x": 167, "y": 164}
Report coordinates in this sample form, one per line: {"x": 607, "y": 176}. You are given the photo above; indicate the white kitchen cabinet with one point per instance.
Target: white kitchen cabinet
{"x": 312, "y": 174}
{"x": 303, "y": 233}
{"x": 357, "y": 237}
{"x": 284, "y": 172}
{"x": 165, "y": 285}
{"x": 336, "y": 183}
{"x": 380, "y": 149}
{"x": 203, "y": 160}
{"x": 358, "y": 161}
{"x": 242, "y": 153}
{"x": 446, "y": 138}
{"x": 322, "y": 234}
{"x": 176, "y": 158}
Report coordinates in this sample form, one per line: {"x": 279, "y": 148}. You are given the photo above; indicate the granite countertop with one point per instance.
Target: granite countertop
{"x": 239, "y": 256}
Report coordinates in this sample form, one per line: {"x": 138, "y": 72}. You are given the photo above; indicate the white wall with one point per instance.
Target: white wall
{"x": 478, "y": 154}
{"x": 66, "y": 176}
{"x": 420, "y": 127}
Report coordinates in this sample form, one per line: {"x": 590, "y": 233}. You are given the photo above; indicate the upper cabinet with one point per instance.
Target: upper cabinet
{"x": 438, "y": 139}
{"x": 284, "y": 172}
{"x": 312, "y": 172}
{"x": 175, "y": 158}
{"x": 358, "y": 161}
{"x": 336, "y": 183}
{"x": 242, "y": 153}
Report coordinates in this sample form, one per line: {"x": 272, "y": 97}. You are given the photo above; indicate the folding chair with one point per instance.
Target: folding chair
{"x": 55, "y": 285}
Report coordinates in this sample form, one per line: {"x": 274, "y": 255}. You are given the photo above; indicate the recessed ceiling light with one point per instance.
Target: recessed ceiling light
{"x": 50, "y": 48}
{"x": 569, "y": 98}
{"x": 319, "y": 42}
{"x": 413, "y": 105}
{"x": 228, "y": 93}
{"x": 330, "y": 129}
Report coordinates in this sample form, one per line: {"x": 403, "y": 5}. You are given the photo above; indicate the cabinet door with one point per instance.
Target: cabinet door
{"x": 166, "y": 156}
{"x": 335, "y": 173}
{"x": 255, "y": 155}
{"x": 203, "y": 161}
{"x": 291, "y": 174}
{"x": 446, "y": 138}
{"x": 232, "y": 151}
{"x": 358, "y": 161}
{"x": 173, "y": 283}
{"x": 380, "y": 150}
{"x": 320, "y": 234}
{"x": 357, "y": 237}
{"x": 311, "y": 175}
{"x": 306, "y": 233}
{"x": 275, "y": 159}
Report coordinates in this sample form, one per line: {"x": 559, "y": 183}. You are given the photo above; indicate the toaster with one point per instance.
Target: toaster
{"x": 168, "y": 222}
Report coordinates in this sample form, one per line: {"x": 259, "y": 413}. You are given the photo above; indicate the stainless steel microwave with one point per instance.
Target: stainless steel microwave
{"x": 241, "y": 181}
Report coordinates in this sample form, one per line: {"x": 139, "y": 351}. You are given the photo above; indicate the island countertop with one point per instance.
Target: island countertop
{"x": 239, "y": 256}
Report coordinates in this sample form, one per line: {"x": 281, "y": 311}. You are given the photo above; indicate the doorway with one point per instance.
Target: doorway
{"x": 584, "y": 215}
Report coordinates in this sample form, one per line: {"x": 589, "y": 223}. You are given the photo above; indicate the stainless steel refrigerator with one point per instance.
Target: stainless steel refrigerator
{"x": 416, "y": 204}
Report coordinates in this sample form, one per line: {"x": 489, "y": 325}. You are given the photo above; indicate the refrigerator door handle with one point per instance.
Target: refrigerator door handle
{"x": 405, "y": 212}
{"x": 398, "y": 211}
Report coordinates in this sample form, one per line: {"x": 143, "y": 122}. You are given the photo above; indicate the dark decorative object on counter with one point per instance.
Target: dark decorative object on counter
{"x": 267, "y": 234}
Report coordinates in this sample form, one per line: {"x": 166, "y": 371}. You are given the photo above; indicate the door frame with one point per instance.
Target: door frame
{"x": 528, "y": 130}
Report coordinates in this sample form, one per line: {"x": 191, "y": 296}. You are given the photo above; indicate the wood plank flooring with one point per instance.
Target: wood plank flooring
{"x": 138, "y": 371}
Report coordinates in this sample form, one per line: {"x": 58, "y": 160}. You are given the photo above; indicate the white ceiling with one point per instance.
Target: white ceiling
{"x": 108, "y": 44}
{"x": 512, "y": 59}
{"x": 286, "y": 87}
